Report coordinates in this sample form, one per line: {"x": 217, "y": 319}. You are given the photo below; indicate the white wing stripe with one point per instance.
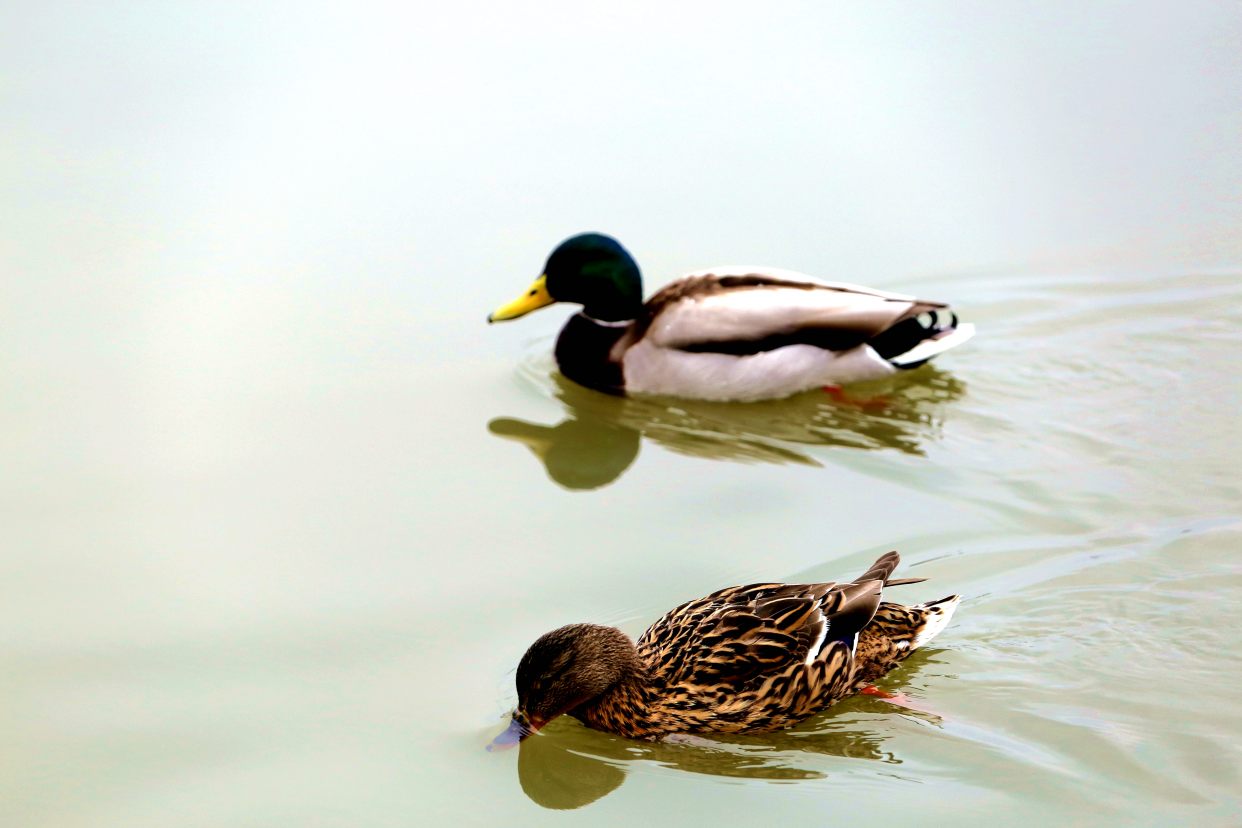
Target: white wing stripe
{"x": 819, "y": 643}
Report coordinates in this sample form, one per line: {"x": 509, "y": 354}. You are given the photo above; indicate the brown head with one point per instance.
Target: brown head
{"x": 564, "y": 669}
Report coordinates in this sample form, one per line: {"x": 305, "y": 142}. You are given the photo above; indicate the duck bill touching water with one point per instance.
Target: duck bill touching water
{"x": 735, "y": 333}
{"x": 746, "y": 659}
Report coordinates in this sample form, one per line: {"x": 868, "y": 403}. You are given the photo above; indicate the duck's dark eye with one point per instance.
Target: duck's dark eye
{"x": 532, "y": 293}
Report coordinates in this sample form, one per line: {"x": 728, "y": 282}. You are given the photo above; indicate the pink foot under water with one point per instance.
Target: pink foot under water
{"x": 838, "y": 395}
{"x": 898, "y": 699}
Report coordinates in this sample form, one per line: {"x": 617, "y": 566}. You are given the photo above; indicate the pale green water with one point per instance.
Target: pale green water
{"x": 265, "y": 560}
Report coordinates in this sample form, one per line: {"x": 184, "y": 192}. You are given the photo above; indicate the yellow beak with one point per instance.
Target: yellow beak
{"x": 534, "y": 298}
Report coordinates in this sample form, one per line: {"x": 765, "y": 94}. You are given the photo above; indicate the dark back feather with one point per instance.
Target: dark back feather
{"x": 742, "y": 634}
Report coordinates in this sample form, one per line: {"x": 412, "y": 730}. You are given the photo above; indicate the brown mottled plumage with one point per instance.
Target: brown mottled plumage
{"x": 744, "y": 659}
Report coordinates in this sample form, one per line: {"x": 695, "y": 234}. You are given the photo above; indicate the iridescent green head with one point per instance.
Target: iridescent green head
{"x": 592, "y": 270}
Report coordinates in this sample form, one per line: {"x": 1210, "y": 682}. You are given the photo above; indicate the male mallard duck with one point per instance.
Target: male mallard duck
{"x": 736, "y": 333}
{"x": 745, "y": 659}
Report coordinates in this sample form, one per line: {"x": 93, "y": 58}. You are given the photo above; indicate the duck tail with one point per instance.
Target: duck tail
{"x": 913, "y": 625}
{"x": 896, "y": 631}
{"x": 883, "y": 568}
{"x": 918, "y": 338}
{"x": 932, "y": 618}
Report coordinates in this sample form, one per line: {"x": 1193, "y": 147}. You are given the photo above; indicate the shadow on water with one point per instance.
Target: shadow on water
{"x": 600, "y": 436}
{"x": 570, "y": 766}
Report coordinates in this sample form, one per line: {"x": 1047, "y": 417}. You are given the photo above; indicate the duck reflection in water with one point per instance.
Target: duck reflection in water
{"x": 600, "y": 436}
{"x": 570, "y": 766}
{"x": 581, "y": 452}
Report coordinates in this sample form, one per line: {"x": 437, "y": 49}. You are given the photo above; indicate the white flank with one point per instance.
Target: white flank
{"x": 755, "y": 313}
{"x": 657, "y": 365}
{"x": 650, "y": 369}
{"x": 937, "y": 619}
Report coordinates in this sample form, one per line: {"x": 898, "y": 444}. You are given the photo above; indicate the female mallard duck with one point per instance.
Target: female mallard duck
{"x": 736, "y": 333}
{"x": 744, "y": 659}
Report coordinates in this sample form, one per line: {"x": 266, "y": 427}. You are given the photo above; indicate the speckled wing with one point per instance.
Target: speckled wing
{"x": 741, "y": 634}
{"x": 742, "y": 311}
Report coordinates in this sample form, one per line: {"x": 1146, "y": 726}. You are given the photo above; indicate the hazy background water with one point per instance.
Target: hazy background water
{"x": 271, "y": 546}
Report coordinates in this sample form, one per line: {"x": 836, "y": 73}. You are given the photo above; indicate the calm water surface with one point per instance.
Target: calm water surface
{"x": 281, "y": 514}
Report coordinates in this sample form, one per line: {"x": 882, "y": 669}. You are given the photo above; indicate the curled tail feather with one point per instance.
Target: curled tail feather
{"x": 883, "y": 567}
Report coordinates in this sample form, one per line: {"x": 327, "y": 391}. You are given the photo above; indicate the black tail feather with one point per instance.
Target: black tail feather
{"x": 910, "y": 332}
